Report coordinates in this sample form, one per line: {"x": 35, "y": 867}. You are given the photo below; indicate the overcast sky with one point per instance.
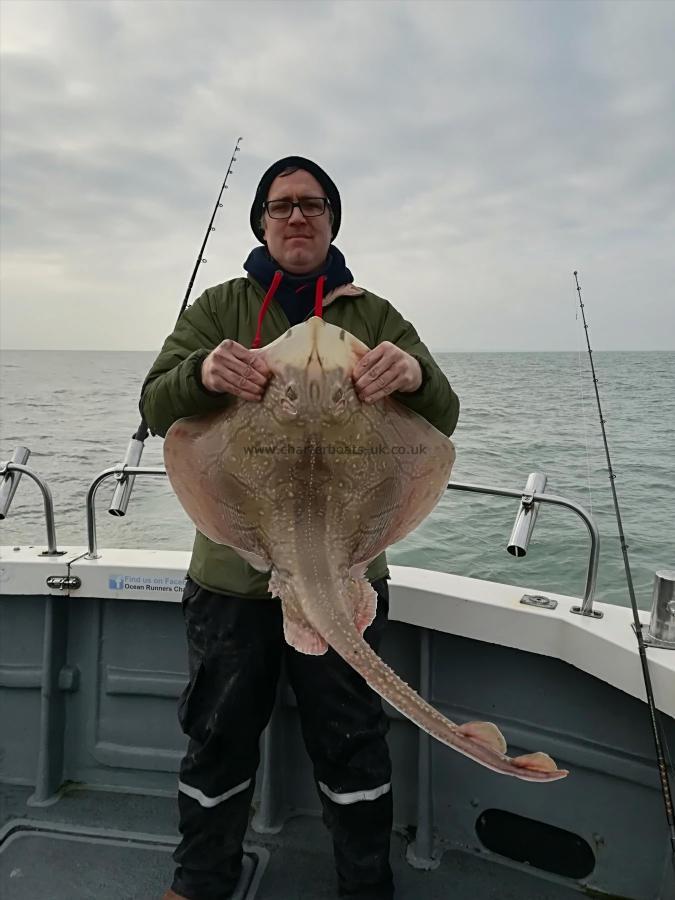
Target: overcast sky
{"x": 483, "y": 151}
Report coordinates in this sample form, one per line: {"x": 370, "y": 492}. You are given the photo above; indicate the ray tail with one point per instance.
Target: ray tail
{"x": 480, "y": 741}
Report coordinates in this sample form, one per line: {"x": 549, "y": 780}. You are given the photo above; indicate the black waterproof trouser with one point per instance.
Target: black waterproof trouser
{"x": 235, "y": 649}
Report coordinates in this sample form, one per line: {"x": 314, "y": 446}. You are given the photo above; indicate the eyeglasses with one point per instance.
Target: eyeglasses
{"x": 308, "y": 206}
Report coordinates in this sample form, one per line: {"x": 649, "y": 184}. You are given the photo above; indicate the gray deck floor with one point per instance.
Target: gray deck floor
{"x": 78, "y": 853}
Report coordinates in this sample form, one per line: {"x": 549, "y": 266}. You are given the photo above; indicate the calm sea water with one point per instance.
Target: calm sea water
{"x": 521, "y": 412}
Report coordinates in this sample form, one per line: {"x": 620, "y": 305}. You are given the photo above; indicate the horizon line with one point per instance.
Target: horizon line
{"x": 431, "y": 350}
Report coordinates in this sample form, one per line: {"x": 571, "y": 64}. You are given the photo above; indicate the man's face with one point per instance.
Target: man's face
{"x": 299, "y": 244}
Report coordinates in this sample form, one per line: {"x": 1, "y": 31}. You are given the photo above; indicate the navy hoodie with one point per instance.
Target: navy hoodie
{"x": 296, "y": 292}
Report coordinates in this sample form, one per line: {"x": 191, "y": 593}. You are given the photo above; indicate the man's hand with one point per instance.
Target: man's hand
{"x": 383, "y": 370}
{"x": 233, "y": 369}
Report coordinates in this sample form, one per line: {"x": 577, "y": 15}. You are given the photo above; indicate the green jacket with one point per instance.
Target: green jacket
{"x": 173, "y": 389}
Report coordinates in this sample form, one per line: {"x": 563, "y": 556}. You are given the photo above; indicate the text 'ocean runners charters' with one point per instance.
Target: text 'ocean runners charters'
{"x": 334, "y": 450}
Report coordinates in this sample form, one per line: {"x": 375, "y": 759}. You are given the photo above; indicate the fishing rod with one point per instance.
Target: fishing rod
{"x": 132, "y": 457}
{"x": 657, "y": 732}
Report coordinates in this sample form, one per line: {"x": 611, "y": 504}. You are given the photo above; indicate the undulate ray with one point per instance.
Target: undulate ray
{"x": 311, "y": 485}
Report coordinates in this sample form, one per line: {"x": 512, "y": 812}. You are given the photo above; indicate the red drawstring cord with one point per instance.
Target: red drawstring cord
{"x": 269, "y": 296}
{"x": 318, "y": 296}
{"x": 276, "y": 281}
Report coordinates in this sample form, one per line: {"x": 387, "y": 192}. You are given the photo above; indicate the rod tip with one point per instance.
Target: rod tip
{"x": 575, "y": 272}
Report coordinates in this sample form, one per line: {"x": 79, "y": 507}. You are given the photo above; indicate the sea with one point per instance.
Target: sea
{"x": 520, "y": 413}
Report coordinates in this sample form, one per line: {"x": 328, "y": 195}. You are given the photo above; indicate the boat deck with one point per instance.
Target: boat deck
{"x": 91, "y": 747}
{"x": 98, "y": 845}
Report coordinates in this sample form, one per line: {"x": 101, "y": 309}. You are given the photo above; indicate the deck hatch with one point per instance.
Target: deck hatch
{"x": 44, "y": 859}
{"x": 536, "y": 843}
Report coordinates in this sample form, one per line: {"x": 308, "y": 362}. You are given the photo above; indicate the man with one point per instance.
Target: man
{"x": 234, "y": 628}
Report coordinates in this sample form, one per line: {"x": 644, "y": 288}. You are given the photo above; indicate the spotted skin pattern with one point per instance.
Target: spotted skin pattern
{"x": 310, "y": 485}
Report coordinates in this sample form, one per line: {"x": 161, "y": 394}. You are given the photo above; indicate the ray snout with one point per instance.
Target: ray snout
{"x": 315, "y": 348}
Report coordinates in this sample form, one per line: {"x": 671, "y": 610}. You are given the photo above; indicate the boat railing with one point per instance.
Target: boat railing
{"x": 10, "y": 476}
{"x": 528, "y": 500}
{"x": 11, "y": 471}
{"x": 121, "y": 473}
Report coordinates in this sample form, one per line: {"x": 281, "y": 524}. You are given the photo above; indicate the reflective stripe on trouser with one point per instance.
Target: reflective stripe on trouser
{"x": 346, "y": 798}
{"x": 235, "y": 647}
{"x": 210, "y": 802}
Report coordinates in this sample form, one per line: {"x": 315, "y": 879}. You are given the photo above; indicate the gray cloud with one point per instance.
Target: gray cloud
{"x": 483, "y": 151}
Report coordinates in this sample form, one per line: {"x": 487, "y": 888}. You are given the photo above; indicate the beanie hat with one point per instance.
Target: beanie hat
{"x": 301, "y": 163}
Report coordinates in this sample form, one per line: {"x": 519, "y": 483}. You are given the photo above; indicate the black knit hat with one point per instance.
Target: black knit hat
{"x": 286, "y": 163}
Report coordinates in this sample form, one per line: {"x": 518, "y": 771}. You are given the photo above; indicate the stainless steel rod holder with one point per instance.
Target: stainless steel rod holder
{"x": 11, "y": 479}
{"x": 586, "y": 608}
{"x": 527, "y": 515}
{"x": 48, "y": 504}
{"x": 125, "y": 482}
{"x": 92, "y": 552}
{"x": 662, "y": 621}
